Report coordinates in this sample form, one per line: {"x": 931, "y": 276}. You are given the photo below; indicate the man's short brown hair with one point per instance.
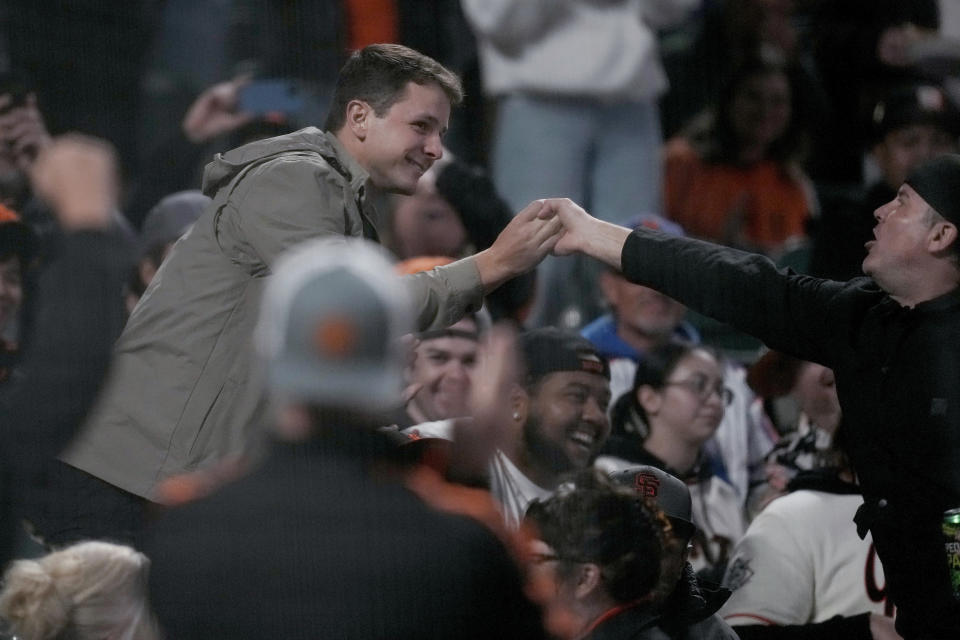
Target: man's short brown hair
{"x": 378, "y": 74}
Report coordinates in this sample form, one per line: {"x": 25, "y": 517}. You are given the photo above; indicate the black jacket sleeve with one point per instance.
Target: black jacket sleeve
{"x": 804, "y": 316}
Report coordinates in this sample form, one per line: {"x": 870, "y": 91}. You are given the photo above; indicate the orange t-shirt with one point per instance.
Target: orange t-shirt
{"x": 371, "y": 21}
{"x": 762, "y": 205}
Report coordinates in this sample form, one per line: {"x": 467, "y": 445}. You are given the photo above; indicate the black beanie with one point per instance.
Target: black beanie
{"x": 938, "y": 182}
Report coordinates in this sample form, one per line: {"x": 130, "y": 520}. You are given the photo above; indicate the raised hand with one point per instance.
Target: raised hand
{"x": 23, "y": 133}
{"x": 77, "y": 176}
{"x": 497, "y": 372}
{"x": 523, "y": 243}
{"x": 214, "y": 111}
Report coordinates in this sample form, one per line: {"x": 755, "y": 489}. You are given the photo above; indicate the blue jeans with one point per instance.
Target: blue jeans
{"x": 605, "y": 157}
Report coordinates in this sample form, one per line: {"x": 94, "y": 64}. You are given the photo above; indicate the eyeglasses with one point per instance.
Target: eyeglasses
{"x": 703, "y": 389}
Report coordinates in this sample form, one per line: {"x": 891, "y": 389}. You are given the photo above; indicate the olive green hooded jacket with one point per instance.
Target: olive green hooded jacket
{"x": 183, "y": 391}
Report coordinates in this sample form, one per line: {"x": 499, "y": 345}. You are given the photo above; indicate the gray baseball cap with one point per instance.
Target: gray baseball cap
{"x": 171, "y": 218}
{"x": 669, "y": 492}
{"x": 330, "y": 325}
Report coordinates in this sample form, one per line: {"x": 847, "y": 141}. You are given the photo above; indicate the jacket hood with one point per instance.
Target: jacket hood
{"x": 226, "y": 166}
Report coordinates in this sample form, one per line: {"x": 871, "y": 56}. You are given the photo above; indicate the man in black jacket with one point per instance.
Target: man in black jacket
{"x": 893, "y": 340}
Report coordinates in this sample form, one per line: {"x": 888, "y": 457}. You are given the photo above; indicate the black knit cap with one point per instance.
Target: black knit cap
{"x": 938, "y": 182}
{"x": 548, "y": 350}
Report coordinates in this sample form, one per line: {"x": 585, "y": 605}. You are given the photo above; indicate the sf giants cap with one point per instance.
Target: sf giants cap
{"x": 330, "y": 325}
{"x": 669, "y": 492}
{"x": 549, "y": 350}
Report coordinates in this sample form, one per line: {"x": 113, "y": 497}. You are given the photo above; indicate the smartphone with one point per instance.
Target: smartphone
{"x": 267, "y": 96}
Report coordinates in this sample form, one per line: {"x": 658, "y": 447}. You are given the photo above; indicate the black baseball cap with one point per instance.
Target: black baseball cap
{"x": 549, "y": 349}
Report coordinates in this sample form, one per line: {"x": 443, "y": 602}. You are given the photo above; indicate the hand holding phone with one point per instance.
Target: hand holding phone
{"x": 277, "y": 97}
{"x": 216, "y": 111}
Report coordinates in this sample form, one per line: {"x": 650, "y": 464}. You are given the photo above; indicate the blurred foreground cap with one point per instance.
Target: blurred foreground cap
{"x": 330, "y": 325}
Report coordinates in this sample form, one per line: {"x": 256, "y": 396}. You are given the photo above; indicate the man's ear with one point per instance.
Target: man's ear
{"x": 943, "y": 236}
{"x": 589, "y": 580}
{"x": 650, "y": 399}
{"x": 358, "y": 115}
{"x": 519, "y": 405}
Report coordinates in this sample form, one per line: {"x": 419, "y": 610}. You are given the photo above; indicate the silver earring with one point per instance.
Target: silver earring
{"x": 516, "y": 415}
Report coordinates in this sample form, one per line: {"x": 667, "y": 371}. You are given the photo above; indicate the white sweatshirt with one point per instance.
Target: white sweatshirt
{"x": 601, "y": 49}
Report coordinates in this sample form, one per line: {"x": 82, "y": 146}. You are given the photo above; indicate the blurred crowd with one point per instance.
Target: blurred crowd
{"x": 219, "y": 417}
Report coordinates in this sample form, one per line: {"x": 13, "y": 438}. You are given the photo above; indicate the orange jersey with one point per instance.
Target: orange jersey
{"x": 762, "y": 205}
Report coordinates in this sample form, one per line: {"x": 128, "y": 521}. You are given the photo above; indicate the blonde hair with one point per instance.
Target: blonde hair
{"x": 92, "y": 590}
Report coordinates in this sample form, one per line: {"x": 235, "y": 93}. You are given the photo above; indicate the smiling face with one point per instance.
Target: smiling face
{"x": 398, "y": 147}
{"x": 444, "y": 366}
{"x": 901, "y": 236}
{"x": 678, "y": 409}
{"x": 567, "y": 421}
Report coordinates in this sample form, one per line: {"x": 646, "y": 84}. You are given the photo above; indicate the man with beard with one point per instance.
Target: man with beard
{"x": 559, "y": 419}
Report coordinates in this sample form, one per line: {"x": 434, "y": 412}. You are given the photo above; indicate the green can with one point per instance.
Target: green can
{"x": 951, "y": 543}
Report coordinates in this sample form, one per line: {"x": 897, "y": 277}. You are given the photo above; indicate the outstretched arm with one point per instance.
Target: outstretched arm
{"x": 803, "y": 316}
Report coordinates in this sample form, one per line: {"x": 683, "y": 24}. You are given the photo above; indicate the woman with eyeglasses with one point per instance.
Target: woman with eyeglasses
{"x": 675, "y": 405}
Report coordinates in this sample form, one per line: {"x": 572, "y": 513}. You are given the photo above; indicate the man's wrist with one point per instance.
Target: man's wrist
{"x": 604, "y": 241}
{"x": 493, "y": 269}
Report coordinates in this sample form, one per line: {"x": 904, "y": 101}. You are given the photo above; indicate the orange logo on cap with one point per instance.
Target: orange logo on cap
{"x": 335, "y": 337}
{"x": 647, "y": 484}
